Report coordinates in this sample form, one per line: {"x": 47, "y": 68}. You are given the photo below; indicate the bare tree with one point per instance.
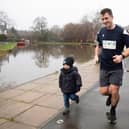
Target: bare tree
{"x": 13, "y": 34}
{"x": 96, "y": 23}
{"x": 56, "y": 33}
{"x": 85, "y": 31}
{"x": 5, "y": 22}
{"x": 40, "y": 28}
{"x": 56, "y": 30}
{"x": 39, "y": 24}
{"x": 69, "y": 32}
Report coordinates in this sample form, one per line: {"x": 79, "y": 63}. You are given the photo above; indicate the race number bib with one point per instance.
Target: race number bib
{"x": 107, "y": 44}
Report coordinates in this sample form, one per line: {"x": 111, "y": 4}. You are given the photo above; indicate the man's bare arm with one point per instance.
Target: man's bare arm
{"x": 97, "y": 53}
{"x": 118, "y": 58}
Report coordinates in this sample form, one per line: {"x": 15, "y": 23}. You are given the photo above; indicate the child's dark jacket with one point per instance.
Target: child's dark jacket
{"x": 70, "y": 80}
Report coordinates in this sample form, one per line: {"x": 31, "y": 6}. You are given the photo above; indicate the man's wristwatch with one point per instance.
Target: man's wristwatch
{"x": 123, "y": 56}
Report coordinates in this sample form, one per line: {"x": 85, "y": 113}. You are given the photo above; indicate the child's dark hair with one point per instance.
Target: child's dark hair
{"x": 106, "y": 10}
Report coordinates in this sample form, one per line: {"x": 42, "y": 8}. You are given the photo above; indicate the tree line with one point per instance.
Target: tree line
{"x": 84, "y": 31}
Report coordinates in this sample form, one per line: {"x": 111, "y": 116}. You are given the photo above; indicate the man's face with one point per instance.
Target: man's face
{"x": 107, "y": 20}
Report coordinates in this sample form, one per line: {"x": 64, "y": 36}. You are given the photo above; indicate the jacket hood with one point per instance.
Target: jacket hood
{"x": 71, "y": 69}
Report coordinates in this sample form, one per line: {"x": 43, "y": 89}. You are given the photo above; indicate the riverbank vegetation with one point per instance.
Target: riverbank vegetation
{"x": 7, "y": 46}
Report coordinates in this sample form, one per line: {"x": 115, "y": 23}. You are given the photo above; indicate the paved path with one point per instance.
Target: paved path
{"x": 90, "y": 113}
{"x": 32, "y": 105}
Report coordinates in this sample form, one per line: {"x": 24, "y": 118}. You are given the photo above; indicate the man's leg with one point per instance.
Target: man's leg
{"x": 115, "y": 94}
{"x": 104, "y": 90}
{"x": 114, "y": 100}
{"x": 104, "y": 85}
{"x": 115, "y": 83}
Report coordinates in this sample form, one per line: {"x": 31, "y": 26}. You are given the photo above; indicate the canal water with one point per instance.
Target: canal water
{"x": 25, "y": 64}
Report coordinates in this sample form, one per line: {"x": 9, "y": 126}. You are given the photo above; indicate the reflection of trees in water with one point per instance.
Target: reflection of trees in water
{"x": 41, "y": 55}
{"x": 56, "y": 51}
{"x": 81, "y": 53}
{"x": 44, "y": 52}
{"x": 41, "y": 58}
{"x": 3, "y": 59}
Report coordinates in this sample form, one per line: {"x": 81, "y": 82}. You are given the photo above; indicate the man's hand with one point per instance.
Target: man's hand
{"x": 117, "y": 58}
{"x": 96, "y": 59}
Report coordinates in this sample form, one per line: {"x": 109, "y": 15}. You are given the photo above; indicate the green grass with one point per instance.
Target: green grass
{"x": 7, "y": 46}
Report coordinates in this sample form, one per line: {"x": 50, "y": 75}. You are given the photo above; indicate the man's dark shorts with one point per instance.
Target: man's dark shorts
{"x": 111, "y": 77}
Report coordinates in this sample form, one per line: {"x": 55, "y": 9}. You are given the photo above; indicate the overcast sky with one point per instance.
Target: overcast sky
{"x": 60, "y": 12}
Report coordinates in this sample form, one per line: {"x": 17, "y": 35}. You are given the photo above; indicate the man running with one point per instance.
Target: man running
{"x": 111, "y": 41}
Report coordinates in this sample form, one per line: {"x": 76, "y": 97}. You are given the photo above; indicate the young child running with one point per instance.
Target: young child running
{"x": 69, "y": 83}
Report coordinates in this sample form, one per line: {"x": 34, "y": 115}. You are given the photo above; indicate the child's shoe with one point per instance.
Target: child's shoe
{"x": 66, "y": 112}
{"x": 77, "y": 100}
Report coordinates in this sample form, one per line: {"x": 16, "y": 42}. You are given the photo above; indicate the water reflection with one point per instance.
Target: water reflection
{"x": 43, "y": 54}
{"x": 22, "y": 65}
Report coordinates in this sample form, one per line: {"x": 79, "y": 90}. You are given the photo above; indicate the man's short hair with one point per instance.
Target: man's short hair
{"x": 106, "y": 10}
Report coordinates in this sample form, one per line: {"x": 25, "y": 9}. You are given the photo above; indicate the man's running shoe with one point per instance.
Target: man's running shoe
{"x": 111, "y": 117}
